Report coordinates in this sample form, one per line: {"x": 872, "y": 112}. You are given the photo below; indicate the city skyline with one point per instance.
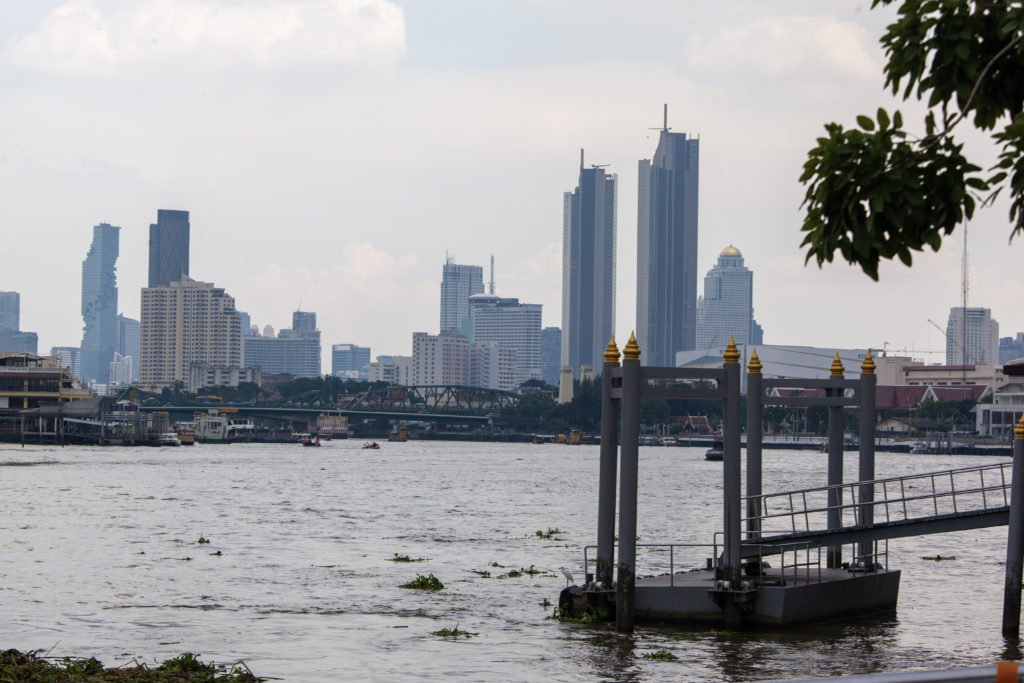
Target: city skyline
{"x": 411, "y": 106}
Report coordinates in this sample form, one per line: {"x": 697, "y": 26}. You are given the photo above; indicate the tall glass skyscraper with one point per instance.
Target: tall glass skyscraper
{"x": 99, "y": 304}
{"x": 588, "y": 268}
{"x": 666, "y": 268}
{"x": 168, "y": 247}
{"x": 458, "y": 283}
{"x": 727, "y": 307}
{"x": 10, "y": 311}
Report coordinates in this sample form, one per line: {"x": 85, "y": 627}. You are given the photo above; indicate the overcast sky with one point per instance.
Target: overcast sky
{"x": 332, "y": 151}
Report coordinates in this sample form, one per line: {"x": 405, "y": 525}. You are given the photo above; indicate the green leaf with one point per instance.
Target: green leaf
{"x": 883, "y": 119}
{"x": 865, "y": 122}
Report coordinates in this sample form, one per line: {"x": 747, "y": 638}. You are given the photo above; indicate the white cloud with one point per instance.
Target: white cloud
{"x": 78, "y": 38}
{"x": 775, "y": 46}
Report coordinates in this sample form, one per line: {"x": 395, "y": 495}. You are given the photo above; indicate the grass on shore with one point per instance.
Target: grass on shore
{"x": 31, "y": 667}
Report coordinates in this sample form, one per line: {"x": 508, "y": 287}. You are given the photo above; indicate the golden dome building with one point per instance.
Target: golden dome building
{"x": 727, "y": 306}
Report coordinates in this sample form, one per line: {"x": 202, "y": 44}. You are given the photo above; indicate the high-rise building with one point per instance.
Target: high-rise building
{"x": 10, "y": 311}
{"x": 441, "y": 359}
{"x": 67, "y": 357}
{"x": 972, "y": 338}
{"x": 458, "y": 283}
{"x": 588, "y": 267}
{"x": 185, "y": 322}
{"x": 350, "y": 361}
{"x": 666, "y": 267}
{"x": 727, "y": 307}
{"x": 550, "y": 354}
{"x": 392, "y": 370}
{"x": 18, "y": 341}
{"x": 511, "y": 324}
{"x": 128, "y": 342}
{"x": 99, "y": 304}
{"x": 120, "y": 370}
{"x": 294, "y": 351}
{"x": 168, "y": 247}
{"x": 492, "y": 366}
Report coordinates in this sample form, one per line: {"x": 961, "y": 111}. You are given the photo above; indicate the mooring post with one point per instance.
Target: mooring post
{"x": 607, "y": 468}
{"x": 835, "y": 460}
{"x": 1015, "y": 538}
{"x": 866, "y": 437}
{"x": 732, "y": 481}
{"x": 629, "y": 455}
{"x": 755, "y": 398}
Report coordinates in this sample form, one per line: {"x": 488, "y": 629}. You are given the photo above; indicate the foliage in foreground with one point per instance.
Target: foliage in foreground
{"x": 30, "y": 667}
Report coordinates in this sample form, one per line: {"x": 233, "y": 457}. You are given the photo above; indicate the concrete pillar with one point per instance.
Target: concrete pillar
{"x": 754, "y": 404}
{"x": 866, "y": 436}
{"x": 629, "y": 455}
{"x": 1015, "y": 538}
{"x": 731, "y": 466}
{"x": 835, "y": 460}
{"x": 607, "y": 468}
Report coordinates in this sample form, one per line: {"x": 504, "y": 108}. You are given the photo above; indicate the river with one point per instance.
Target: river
{"x": 99, "y": 556}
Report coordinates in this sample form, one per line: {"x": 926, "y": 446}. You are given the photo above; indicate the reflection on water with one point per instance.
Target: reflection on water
{"x": 100, "y": 558}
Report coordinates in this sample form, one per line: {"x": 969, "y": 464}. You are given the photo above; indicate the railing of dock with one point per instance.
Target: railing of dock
{"x": 657, "y": 564}
{"x": 914, "y": 496}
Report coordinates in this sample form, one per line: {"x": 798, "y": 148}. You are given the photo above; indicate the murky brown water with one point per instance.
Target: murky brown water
{"x": 95, "y": 547}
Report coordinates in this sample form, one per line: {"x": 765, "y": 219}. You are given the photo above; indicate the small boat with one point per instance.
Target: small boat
{"x": 186, "y": 435}
{"x": 400, "y": 434}
{"x": 167, "y": 439}
{"x": 371, "y": 444}
{"x": 716, "y": 452}
{"x": 311, "y": 442}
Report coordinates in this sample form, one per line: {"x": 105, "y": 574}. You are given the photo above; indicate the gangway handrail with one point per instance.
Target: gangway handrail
{"x": 795, "y": 505}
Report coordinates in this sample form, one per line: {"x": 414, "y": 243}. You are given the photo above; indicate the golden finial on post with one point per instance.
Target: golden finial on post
{"x": 1018, "y": 431}
{"x": 732, "y": 354}
{"x": 632, "y": 349}
{"x": 837, "y": 366}
{"x": 868, "y": 366}
{"x": 754, "y": 366}
{"x": 611, "y": 354}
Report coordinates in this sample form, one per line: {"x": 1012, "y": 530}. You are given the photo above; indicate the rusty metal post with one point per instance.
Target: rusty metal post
{"x": 607, "y": 468}
{"x": 754, "y": 418}
{"x": 835, "y": 461}
{"x": 866, "y": 438}
{"x": 1015, "y": 538}
{"x": 629, "y": 456}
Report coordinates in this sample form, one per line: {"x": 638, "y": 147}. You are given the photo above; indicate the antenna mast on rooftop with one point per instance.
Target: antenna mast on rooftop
{"x": 492, "y": 271}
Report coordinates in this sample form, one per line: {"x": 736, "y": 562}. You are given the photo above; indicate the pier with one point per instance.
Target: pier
{"x": 781, "y": 557}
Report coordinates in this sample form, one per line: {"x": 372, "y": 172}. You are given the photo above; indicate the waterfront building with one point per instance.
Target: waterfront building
{"x": 492, "y": 366}
{"x": 185, "y": 322}
{"x": 513, "y": 325}
{"x": 294, "y": 351}
{"x": 10, "y": 311}
{"x": 458, "y": 283}
{"x": 441, "y": 359}
{"x": 68, "y": 357}
{"x": 666, "y": 269}
{"x": 972, "y": 337}
{"x": 391, "y": 370}
{"x": 128, "y": 342}
{"x": 588, "y": 267}
{"x": 28, "y": 380}
{"x": 1002, "y": 415}
{"x": 203, "y": 375}
{"x": 16, "y": 341}
{"x": 350, "y": 361}
{"x": 551, "y": 354}
{"x": 727, "y": 306}
{"x": 168, "y": 247}
{"x": 99, "y": 304}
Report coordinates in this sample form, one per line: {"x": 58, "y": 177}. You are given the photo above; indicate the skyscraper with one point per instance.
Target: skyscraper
{"x": 666, "y": 268}
{"x": 168, "y": 247}
{"x": 514, "y": 325}
{"x": 458, "y": 283}
{"x": 551, "y": 354}
{"x": 588, "y": 268}
{"x": 727, "y": 307}
{"x": 972, "y": 338}
{"x": 99, "y": 304}
{"x": 128, "y": 342}
{"x": 10, "y": 310}
{"x": 185, "y": 322}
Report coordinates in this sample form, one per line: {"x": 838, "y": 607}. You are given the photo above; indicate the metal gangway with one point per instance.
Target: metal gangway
{"x": 909, "y": 505}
